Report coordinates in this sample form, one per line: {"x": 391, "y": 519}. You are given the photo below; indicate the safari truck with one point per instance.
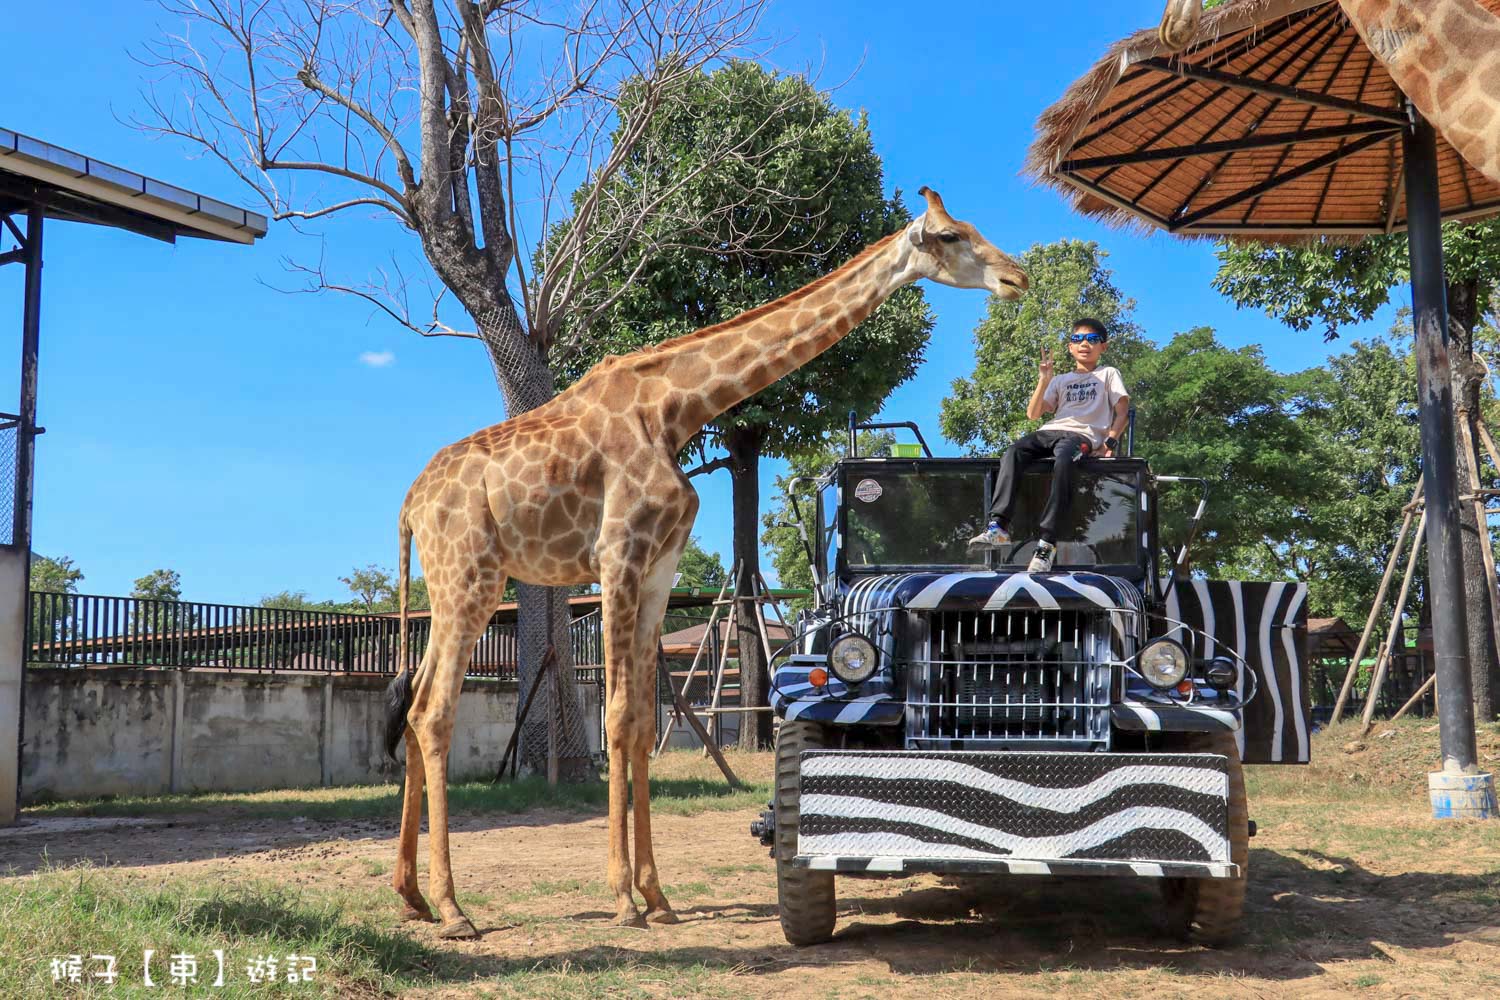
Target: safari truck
{"x": 942, "y": 711}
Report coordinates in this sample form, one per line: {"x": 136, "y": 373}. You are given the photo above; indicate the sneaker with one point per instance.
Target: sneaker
{"x": 992, "y": 538}
{"x": 1041, "y": 559}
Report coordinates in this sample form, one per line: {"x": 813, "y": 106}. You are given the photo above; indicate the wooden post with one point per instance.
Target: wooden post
{"x": 1426, "y": 686}
{"x": 1394, "y": 636}
{"x": 1481, "y": 521}
{"x": 1489, "y": 442}
{"x": 703, "y": 645}
{"x": 515, "y": 735}
{"x": 692, "y": 720}
{"x": 1385, "y": 582}
{"x": 729, "y": 632}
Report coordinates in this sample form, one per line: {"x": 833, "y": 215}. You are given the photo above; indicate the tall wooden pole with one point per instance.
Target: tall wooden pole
{"x": 1385, "y": 582}
{"x": 1394, "y": 636}
{"x": 1481, "y": 520}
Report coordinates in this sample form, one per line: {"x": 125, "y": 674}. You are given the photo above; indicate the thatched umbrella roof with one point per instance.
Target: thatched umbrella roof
{"x": 1276, "y": 122}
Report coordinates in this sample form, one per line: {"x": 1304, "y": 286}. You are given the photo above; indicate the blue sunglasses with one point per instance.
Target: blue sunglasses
{"x": 1092, "y": 338}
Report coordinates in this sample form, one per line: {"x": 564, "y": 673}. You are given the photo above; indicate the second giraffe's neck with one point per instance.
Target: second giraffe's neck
{"x": 714, "y": 368}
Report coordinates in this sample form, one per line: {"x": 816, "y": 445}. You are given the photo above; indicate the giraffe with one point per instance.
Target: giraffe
{"x": 586, "y": 488}
{"x": 1443, "y": 54}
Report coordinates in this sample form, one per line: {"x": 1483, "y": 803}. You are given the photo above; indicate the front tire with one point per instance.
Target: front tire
{"x": 804, "y": 897}
{"x": 1208, "y": 910}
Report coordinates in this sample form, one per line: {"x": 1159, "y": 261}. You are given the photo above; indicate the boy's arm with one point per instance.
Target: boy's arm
{"x": 1037, "y": 405}
{"x": 1121, "y": 421}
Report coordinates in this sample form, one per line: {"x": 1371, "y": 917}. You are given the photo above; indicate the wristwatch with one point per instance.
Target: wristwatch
{"x": 1111, "y": 443}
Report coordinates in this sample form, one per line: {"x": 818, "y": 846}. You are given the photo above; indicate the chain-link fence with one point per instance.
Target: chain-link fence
{"x": 10, "y": 435}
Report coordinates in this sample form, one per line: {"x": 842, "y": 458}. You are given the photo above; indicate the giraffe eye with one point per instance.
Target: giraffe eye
{"x": 948, "y": 237}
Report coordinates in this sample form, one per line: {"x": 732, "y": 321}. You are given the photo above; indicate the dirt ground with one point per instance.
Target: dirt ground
{"x": 1378, "y": 900}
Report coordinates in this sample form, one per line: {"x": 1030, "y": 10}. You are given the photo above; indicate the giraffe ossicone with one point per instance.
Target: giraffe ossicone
{"x": 586, "y": 488}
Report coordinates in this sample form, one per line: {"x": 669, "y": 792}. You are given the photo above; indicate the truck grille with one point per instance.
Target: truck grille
{"x": 989, "y": 679}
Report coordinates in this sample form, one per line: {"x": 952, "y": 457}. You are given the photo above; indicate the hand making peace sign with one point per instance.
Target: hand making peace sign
{"x": 1046, "y": 363}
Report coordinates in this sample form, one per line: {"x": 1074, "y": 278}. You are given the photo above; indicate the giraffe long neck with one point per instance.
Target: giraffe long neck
{"x": 710, "y": 370}
{"x": 1446, "y": 57}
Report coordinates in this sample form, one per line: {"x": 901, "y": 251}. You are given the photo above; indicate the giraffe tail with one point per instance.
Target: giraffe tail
{"x": 398, "y": 693}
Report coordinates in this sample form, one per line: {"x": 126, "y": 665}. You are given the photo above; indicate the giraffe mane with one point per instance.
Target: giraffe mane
{"x": 750, "y": 315}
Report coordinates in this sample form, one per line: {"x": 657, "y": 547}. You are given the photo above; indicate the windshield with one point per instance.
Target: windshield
{"x": 913, "y": 518}
{"x": 909, "y": 517}
{"x": 1098, "y": 529}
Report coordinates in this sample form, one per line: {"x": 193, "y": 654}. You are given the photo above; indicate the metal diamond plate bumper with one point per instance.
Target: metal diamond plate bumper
{"x": 1023, "y": 813}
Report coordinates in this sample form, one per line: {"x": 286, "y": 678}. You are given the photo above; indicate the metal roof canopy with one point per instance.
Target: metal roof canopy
{"x": 1278, "y": 122}
{"x": 77, "y": 188}
{"x": 39, "y": 181}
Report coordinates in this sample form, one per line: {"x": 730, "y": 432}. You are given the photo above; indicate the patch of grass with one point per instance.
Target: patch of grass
{"x": 686, "y": 796}
{"x": 374, "y": 868}
{"x": 620, "y": 976}
{"x": 1367, "y": 980}
{"x": 554, "y": 887}
{"x": 61, "y": 912}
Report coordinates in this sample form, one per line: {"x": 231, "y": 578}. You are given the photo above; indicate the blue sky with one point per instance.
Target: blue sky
{"x": 199, "y": 419}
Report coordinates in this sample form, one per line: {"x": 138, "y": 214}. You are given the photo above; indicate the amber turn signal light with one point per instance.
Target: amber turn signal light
{"x": 818, "y": 677}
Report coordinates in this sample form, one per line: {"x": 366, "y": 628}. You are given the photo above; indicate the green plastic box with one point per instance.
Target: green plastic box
{"x": 906, "y": 451}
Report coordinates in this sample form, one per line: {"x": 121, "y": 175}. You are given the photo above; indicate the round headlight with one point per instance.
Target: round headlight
{"x": 1164, "y": 663}
{"x": 1221, "y": 673}
{"x": 852, "y": 658}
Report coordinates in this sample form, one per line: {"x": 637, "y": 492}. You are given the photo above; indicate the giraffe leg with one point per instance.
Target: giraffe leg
{"x": 405, "y": 879}
{"x": 655, "y": 590}
{"x": 619, "y": 586}
{"x": 458, "y": 620}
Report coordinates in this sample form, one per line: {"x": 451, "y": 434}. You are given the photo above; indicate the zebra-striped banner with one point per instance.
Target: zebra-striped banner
{"x": 1266, "y": 623}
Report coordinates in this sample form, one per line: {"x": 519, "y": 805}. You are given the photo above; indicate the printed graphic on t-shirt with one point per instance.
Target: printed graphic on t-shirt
{"x": 1081, "y": 393}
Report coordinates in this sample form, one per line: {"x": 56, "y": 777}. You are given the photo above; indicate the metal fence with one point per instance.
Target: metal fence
{"x": 98, "y": 630}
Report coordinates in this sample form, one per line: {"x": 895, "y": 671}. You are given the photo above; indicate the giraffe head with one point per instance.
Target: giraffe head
{"x": 954, "y": 253}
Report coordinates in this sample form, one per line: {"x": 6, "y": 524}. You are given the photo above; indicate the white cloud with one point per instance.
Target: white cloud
{"x": 378, "y": 359}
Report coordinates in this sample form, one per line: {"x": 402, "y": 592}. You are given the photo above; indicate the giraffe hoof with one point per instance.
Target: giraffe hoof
{"x": 631, "y": 919}
{"x": 459, "y": 929}
{"x": 665, "y": 916}
{"x": 416, "y": 913}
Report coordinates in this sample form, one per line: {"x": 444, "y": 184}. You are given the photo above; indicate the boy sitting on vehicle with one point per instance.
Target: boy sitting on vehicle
{"x": 1091, "y": 407}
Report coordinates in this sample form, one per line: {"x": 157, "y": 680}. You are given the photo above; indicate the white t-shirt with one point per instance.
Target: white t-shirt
{"x": 1084, "y": 402}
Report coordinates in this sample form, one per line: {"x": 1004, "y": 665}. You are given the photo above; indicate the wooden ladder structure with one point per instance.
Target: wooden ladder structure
{"x": 1471, "y": 428}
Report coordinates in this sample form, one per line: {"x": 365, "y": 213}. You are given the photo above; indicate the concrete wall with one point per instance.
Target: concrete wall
{"x": 12, "y": 643}
{"x": 148, "y": 732}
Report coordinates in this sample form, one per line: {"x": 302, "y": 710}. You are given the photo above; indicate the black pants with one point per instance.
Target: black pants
{"x": 1062, "y": 446}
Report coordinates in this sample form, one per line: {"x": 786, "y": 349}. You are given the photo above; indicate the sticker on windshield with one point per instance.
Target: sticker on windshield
{"x": 868, "y": 490}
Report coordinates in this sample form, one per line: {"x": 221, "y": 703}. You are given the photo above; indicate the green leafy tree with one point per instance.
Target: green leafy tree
{"x": 52, "y": 617}
{"x": 781, "y": 537}
{"x": 804, "y": 196}
{"x": 1334, "y": 283}
{"x": 159, "y": 585}
{"x": 1222, "y": 414}
{"x": 987, "y": 410}
{"x": 294, "y": 600}
{"x": 371, "y": 586}
{"x": 163, "y": 588}
{"x": 697, "y": 568}
{"x": 700, "y": 568}
{"x": 55, "y": 576}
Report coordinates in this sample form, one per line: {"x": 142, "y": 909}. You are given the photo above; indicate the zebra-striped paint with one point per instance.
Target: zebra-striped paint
{"x": 1266, "y": 624}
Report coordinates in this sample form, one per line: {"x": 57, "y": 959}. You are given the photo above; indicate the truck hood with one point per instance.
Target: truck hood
{"x": 984, "y": 591}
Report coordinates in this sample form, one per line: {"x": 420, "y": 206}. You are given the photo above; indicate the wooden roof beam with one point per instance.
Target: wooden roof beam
{"x": 1189, "y": 71}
